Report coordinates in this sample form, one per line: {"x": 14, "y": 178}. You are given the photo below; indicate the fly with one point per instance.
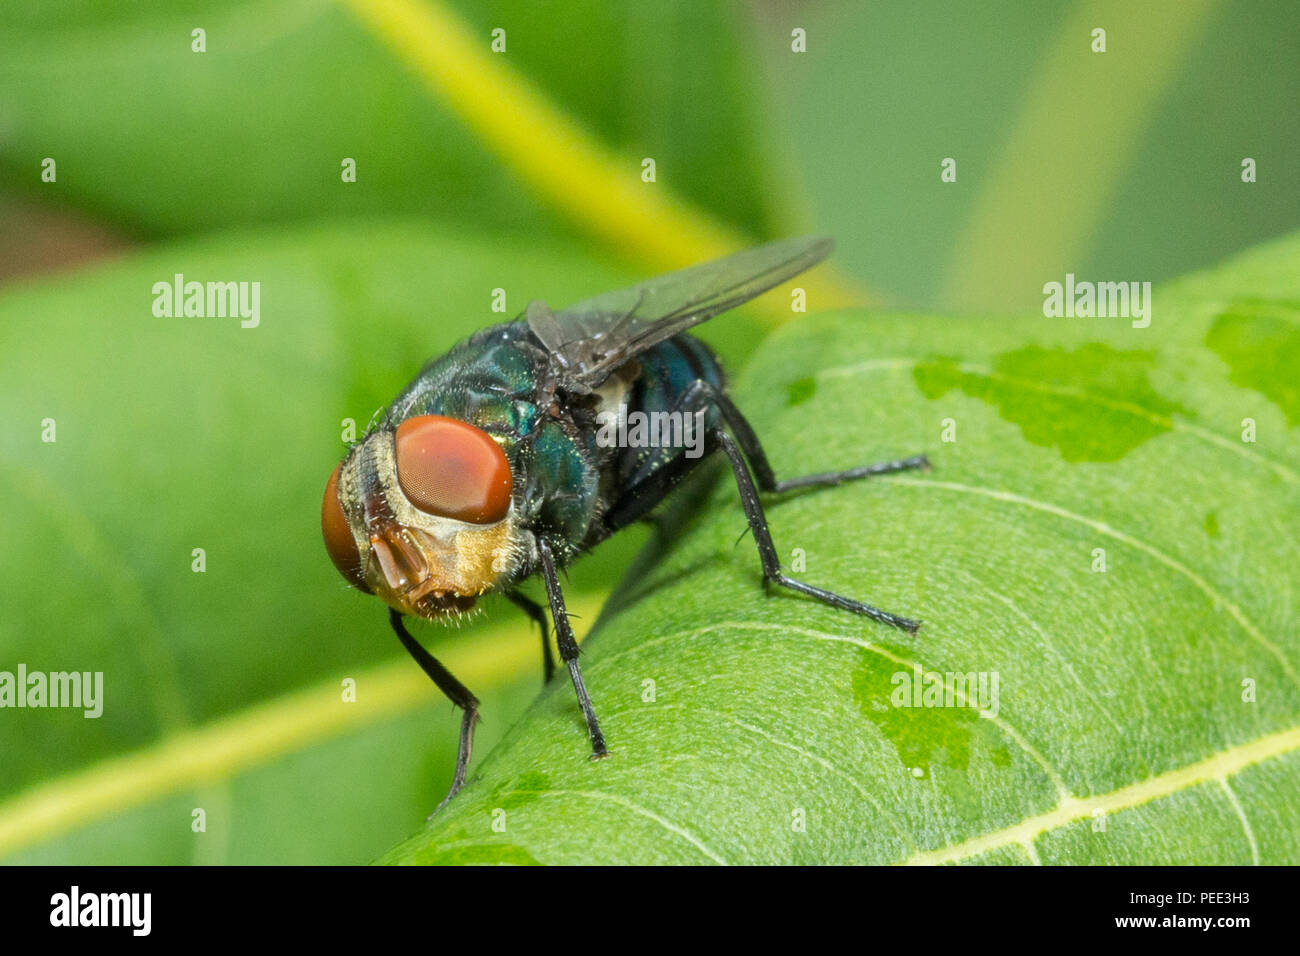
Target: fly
{"x": 489, "y": 467}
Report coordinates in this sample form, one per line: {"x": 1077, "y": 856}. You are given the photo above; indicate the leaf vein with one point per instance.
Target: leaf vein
{"x": 641, "y": 811}
{"x": 1101, "y": 527}
{"x": 1245, "y": 821}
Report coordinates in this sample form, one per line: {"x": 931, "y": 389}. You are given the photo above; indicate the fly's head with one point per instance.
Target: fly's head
{"x": 423, "y": 518}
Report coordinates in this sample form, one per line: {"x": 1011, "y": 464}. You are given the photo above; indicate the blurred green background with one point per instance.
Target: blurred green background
{"x": 475, "y": 171}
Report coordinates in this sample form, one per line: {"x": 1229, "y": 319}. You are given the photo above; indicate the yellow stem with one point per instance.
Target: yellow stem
{"x": 564, "y": 164}
{"x": 1076, "y": 134}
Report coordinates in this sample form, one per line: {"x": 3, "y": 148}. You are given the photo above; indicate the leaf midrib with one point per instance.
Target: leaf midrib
{"x": 1219, "y": 766}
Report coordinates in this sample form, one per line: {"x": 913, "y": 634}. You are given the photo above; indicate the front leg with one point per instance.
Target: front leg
{"x": 454, "y": 689}
{"x": 569, "y": 647}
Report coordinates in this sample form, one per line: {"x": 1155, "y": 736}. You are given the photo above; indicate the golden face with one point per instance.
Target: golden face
{"x": 423, "y": 517}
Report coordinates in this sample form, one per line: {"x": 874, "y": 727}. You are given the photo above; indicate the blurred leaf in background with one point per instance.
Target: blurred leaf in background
{"x": 1123, "y": 164}
{"x": 163, "y": 140}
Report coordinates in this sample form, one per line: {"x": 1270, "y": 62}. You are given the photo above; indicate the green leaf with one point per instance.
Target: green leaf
{"x": 1145, "y": 713}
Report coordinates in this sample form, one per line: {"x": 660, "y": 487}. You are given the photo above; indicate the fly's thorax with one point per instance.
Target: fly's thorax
{"x": 424, "y": 564}
{"x": 614, "y": 391}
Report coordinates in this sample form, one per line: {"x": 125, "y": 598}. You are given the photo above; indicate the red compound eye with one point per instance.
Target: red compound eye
{"x": 450, "y": 468}
{"x": 340, "y": 544}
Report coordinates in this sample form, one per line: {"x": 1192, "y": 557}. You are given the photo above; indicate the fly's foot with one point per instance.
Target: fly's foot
{"x": 455, "y": 789}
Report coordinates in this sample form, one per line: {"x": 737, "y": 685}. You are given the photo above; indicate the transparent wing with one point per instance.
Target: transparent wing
{"x": 595, "y": 336}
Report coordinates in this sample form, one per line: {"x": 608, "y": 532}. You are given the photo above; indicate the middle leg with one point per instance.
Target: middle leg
{"x": 535, "y": 612}
{"x": 569, "y": 647}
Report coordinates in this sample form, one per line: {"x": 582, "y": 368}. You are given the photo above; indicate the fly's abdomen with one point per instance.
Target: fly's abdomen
{"x": 667, "y": 370}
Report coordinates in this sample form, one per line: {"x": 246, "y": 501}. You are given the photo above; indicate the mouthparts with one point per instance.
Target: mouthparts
{"x": 406, "y": 570}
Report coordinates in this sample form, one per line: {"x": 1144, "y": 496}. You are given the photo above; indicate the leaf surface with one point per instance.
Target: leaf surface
{"x": 1144, "y": 713}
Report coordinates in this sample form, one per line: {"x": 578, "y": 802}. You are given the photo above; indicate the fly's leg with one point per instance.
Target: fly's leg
{"x": 454, "y": 689}
{"x": 538, "y": 615}
{"x": 828, "y": 479}
{"x": 569, "y": 647}
{"x": 767, "y": 551}
{"x": 701, "y": 395}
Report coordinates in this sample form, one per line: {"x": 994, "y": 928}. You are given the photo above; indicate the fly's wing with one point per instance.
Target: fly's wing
{"x": 595, "y": 336}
